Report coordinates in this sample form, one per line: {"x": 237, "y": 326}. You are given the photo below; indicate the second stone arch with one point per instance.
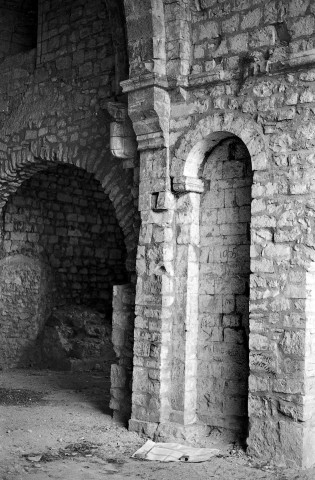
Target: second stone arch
{"x": 211, "y": 326}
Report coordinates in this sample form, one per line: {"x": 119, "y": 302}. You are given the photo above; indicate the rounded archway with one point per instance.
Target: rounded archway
{"x": 224, "y": 269}
{"x": 212, "y": 171}
{"x": 62, "y": 248}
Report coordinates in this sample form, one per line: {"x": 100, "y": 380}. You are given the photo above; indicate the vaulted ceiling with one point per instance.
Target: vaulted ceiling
{"x": 18, "y": 25}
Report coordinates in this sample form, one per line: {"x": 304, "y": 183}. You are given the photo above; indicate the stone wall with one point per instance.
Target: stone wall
{"x": 63, "y": 217}
{"x": 246, "y": 37}
{"x": 27, "y": 296}
{"x": 53, "y": 112}
{"x": 75, "y": 40}
{"x": 201, "y": 72}
{"x": 53, "y": 107}
{"x": 250, "y": 74}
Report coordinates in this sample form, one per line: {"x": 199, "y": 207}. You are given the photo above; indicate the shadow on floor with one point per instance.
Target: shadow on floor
{"x": 26, "y": 387}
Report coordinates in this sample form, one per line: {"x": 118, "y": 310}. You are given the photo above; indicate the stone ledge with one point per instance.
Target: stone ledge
{"x": 144, "y": 81}
{"x": 188, "y": 184}
{"x": 294, "y": 61}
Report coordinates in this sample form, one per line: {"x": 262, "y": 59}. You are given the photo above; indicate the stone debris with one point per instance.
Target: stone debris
{"x": 34, "y": 458}
{"x": 23, "y": 397}
{"x": 76, "y": 338}
{"x": 80, "y": 449}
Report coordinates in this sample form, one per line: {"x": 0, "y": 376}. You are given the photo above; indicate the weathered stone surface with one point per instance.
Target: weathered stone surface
{"x": 223, "y": 279}
{"x": 62, "y": 216}
{"x": 26, "y": 300}
{"x": 76, "y": 338}
{"x": 214, "y": 87}
{"x": 123, "y": 323}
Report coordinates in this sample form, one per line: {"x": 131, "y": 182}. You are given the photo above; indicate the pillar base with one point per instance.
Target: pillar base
{"x": 164, "y": 432}
{"x": 285, "y": 443}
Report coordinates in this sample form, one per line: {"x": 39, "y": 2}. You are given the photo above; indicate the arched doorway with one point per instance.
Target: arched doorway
{"x": 62, "y": 251}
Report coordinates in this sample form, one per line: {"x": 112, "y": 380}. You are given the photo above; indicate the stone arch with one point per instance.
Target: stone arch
{"x": 16, "y": 169}
{"x": 117, "y": 184}
{"x": 191, "y": 150}
{"x": 223, "y": 295}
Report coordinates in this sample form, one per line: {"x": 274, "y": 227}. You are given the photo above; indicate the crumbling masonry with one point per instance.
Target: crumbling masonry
{"x": 158, "y": 156}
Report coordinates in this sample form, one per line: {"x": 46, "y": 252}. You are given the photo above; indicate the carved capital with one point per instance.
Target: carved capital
{"x": 188, "y": 184}
{"x": 117, "y": 110}
{"x": 149, "y": 110}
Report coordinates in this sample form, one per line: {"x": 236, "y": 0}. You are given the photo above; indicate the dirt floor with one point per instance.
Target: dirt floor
{"x": 56, "y": 425}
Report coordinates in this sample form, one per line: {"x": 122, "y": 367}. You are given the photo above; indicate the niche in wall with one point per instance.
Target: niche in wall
{"x": 225, "y": 213}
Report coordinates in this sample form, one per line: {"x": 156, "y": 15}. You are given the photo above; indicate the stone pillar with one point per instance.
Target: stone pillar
{"x": 309, "y": 410}
{"x": 148, "y": 102}
{"x": 122, "y": 338}
{"x": 185, "y": 322}
{"x": 166, "y": 325}
{"x": 154, "y": 297}
{"x": 149, "y": 110}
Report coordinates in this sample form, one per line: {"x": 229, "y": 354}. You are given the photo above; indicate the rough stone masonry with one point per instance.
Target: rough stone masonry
{"x": 209, "y": 227}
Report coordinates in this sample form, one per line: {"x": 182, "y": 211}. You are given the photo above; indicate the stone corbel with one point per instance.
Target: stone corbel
{"x": 187, "y": 184}
{"x": 149, "y": 109}
{"x": 123, "y": 142}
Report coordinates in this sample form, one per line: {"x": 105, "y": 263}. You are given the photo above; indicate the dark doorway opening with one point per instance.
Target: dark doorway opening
{"x": 62, "y": 251}
{"x": 18, "y": 26}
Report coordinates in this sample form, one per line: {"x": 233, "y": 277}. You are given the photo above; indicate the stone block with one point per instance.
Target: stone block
{"x": 251, "y": 19}
{"x": 118, "y": 377}
{"x": 263, "y": 37}
{"x": 239, "y": 43}
{"x": 258, "y": 342}
{"x": 293, "y": 343}
{"x": 289, "y": 385}
{"x": 231, "y": 24}
{"x": 207, "y": 30}
{"x": 277, "y": 252}
{"x": 303, "y": 26}
{"x": 262, "y": 265}
{"x": 142, "y": 349}
{"x": 262, "y": 362}
{"x": 233, "y": 336}
{"x": 210, "y": 303}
